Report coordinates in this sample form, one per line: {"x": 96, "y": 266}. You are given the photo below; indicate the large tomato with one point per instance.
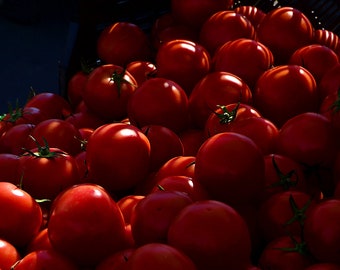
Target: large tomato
{"x": 253, "y": 13}
{"x": 9, "y": 254}
{"x": 183, "y": 61}
{"x": 285, "y": 91}
{"x": 118, "y": 156}
{"x": 159, "y": 101}
{"x": 117, "y": 260}
{"x": 231, "y": 167}
{"x": 330, "y": 82}
{"x": 212, "y": 234}
{"x": 108, "y": 90}
{"x": 9, "y": 168}
{"x": 283, "y": 30}
{"x": 86, "y": 225}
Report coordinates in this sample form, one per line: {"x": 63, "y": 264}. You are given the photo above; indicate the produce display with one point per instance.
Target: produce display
{"x": 210, "y": 142}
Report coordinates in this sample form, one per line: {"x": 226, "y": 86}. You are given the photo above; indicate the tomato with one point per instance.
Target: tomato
{"x": 153, "y": 215}
{"x": 254, "y": 14}
{"x": 108, "y": 90}
{"x": 39, "y": 242}
{"x": 323, "y": 266}
{"x": 285, "y": 91}
{"x": 85, "y": 119}
{"x": 122, "y": 42}
{"x": 9, "y": 168}
{"x": 75, "y": 88}
{"x": 118, "y": 156}
{"x": 216, "y": 88}
{"x": 58, "y": 133}
{"x": 43, "y": 259}
{"x": 52, "y": 105}
{"x": 165, "y": 144}
{"x": 284, "y": 30}
{"x": 195, "y": 12}
{"x": 24, "y": 115}
{"x": 231, "y": 167}
{"x": 141, "y": 70}
{"x": 223, "y": 26}
{"x": 21, "y": 215}
{"x": 321, "y": 231}
{"x": 285, "y": 253}
{"x": 15, "y": 139}
{"x": 154, "y": 256}
{"x": 316, "y": 58}
{"x": 183, "y": 61}
{"x": 117, "y": 260}
{"x": 127, "y": 205}
{"x": 244, "y": 57}
{"x": 86, "y": 225}
{"x": 47, "y": 171}
{"x": 9, "y": 254}
{"x": 212, "y": 234}
{"x": 330, "y": 82}
{"x": 192, "y": 139}
{"x": 327, "y": 38}
{"x": 283, "y": 214}
{"x": 159, "y": 101}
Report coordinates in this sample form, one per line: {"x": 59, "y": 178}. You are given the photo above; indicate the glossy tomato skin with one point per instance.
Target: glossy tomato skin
{"x": 212, "y": 234}
{"x": 327, "y": 38}
{"x": 21, "y": 215}
{"x": 86, "y": 225}
{"x": 117, "y": 260}
{"x": 39, "y": 242}
{"x": 330, "y": 82}
{"x": 108, "y": 90}
{"x": 9, "y": 168}
{"x": 321, "y": 231}
{"x": 285, "y": 91}
{"x": 9, "y": 254}
{"x": 253, "y": 13}
{"x": 183, "y": 61}
{"x": 159, "y": 101}
{"x": 283, "y": 30}
{"x": 216, "y": 88}
{"x": 141, "y": 70}
{"x": 232, "y": 56}
{"x": 231, "y": 167}
{"x": 123, "y": 42}
{"x": 75, "y": 88}
{"x": 127, "y": 205}
{"x": 118, "y": 156}
{"x": 223, "y": 26}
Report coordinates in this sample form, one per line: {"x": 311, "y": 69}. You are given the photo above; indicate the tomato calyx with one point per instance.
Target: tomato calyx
{"x": 286, "y": 181}
{"x": 299, "y": 247}
{"x": 226, "y": 116}
{"x": 118, "y": 78}
{"x": 299, "y": 214}
{"x": 44, "y": 151}
{"x": 13, "y": 114}
{"x": 335, "y": 107}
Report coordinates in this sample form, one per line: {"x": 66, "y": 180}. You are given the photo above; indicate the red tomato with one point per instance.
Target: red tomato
{"x": 85, "y": 119}
{"x": 9, "y": 168}
{"x": 75, "y": 88}
{"x": 159, "y": 101}
{"x": 253, "y": 13}
{"x": 141, "y": 70}
{"x": 212, "y": 234}
{"x": 24, "y": 115}
{"x": 283, "y": 30}
{"x": 330, "y": 82}
{"x": 285, "y": 91}
{"x": 108, "y": 90}
{"x": 216, "y": 88}
{"x": 159, "y": 256}
{"x": 118, "y": 156}
{"x": 231, "y": 167}
{"x": 316, "y": 58}
{"x": 127, "y": 205}
{"x": 117, "y": 260}
{"x": 58, "y": 133}
{"x": 86, "y": 225}
{"x": 183, "y": 61}
{"x": 223, "y": 26}
{"x": 47, "y": 171}
{"x": 192, "y": 139}
{"x": 9, "y": 254}
{"x": 44, "y": 259}
{"x": 165, "y": 144}
{"x": 21, "y": 215}
{"x": 123, "y": 42}
{"x": 232, "y": 56}
{"x": 153, "y": 215}
{"x": 195, "y": 12}
{"x": 323, "y": 266}
{"x": 327, "y": 38}
{"x": 39, "y": 242}
{"x": 52, "y": 105}
{"x": 285, "y": 253}
{"x": 322, "y": 231}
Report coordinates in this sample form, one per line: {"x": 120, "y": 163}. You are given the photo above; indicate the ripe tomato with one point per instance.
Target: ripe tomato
{"x": 127, "y": 205}
{"x": 223, "y": 26}
{"x": 183, "y": 61}
{"x": 159, "y": 256}
{"x": 284, "y": 30}
{"x": 108, "y": 90}
{"x": 212, "y": 234}
{"x": 159, "y": 101}
{"x": 85, "y": 119}
{"x": 75, "y": 88}
{"x": 120, "y": 43}
{"x": 9, "y": 168}
{"x": 321, "y": 231}
{"x": 285, "y": 91}
{"x": 86, "y": 225}
{"x": 21, "y": 215}
{"x": 141, "y": 70}
{"x": 118, "y": 156}
{"x": 216, "y": 88}
{"x": 152, "y": 216}
{"x": 231, "y": 167}
{"x": 9, "y": 254}
{"x": 253, "y": 13}
{"x": 24, "y": 115}
{"x": 39, "y": 242}
{"x": 232, "y": 55}
{"x": 117, "y": 260}
{"x": 330, "y": 82}
{"x": 327, "y": 38}
{"x": 192, "y": 139}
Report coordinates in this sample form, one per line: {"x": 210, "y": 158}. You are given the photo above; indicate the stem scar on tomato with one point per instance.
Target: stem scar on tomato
{"x": 118, "y": 78}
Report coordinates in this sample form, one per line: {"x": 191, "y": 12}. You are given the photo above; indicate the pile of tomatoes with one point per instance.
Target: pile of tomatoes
{"x": 211, "y": 142}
